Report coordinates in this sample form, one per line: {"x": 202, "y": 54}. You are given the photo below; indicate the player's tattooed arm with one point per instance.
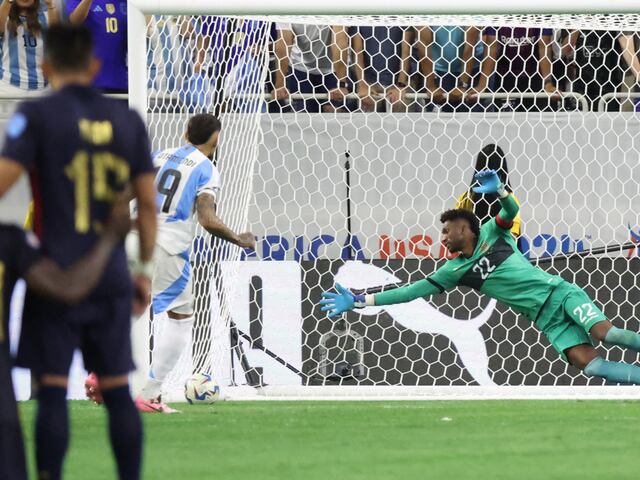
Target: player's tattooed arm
{"x": 208, "y": 218}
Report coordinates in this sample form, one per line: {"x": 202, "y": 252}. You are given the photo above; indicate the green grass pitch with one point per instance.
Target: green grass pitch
{"x": 334, "y": 440}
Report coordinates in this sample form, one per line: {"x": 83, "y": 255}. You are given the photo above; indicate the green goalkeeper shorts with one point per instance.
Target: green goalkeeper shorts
{"x": 567, "y": 317}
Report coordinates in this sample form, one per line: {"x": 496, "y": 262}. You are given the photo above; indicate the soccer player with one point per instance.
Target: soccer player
{"x": 490, "y": 262}
{"x": 20, "y": 258}
{"x": 188, "y": 184}
{"x": 81, "y": 149}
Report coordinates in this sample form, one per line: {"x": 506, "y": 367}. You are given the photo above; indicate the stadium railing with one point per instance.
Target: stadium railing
{"x": 607, "y": 97}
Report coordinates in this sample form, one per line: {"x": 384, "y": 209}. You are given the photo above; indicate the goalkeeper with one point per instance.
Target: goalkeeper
{"x": 490, "y": 262}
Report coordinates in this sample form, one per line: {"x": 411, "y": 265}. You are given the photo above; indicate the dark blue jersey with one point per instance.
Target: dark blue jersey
{"x": 17, "y": 254}
{"x": 80, "y": 149}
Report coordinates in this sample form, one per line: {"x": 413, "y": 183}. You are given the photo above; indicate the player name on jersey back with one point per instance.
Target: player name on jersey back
{"x": 184, "y": 173}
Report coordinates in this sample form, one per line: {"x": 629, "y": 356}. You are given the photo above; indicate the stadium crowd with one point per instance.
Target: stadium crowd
{"x": 201, "y": 60}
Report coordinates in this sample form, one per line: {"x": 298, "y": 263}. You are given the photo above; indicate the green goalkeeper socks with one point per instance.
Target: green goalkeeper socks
{"x": 616, "y": 372}
{"x": 623, "y": 338}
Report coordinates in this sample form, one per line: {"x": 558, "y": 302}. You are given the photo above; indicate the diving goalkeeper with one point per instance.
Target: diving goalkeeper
{"x": 490, "y": 262}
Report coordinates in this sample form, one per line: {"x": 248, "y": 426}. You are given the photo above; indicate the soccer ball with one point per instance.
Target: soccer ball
{"x": 201, "y": 388}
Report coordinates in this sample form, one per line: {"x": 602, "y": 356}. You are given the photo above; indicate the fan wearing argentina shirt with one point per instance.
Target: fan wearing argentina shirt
{"x": 22, "y": 23}
{"x": 188, "y": 184}
{"x": 107, "y": 20}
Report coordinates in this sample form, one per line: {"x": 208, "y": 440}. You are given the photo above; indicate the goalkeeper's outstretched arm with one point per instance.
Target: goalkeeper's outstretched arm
{"x": 509, "y": 210}
{"x": 345, "y": 300}
{"x": 490, "y": 183}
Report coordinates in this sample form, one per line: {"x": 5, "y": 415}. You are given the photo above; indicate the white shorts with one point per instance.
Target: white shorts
{"x": 171, "y": 286}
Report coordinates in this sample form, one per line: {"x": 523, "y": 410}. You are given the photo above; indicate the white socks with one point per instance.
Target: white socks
{"x": 174, "y": 336}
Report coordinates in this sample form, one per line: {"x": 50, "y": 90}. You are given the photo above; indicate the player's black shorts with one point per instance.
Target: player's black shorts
{"x": 101, "y": 329}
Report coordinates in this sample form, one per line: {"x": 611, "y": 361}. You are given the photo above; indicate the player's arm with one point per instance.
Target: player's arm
{"x": 73, "y": 284}
{"x": 207, "y": 217}
{"x": 19, "y": 149}
{"x": 490, "y": 183}
{"x": 344, "y": 300}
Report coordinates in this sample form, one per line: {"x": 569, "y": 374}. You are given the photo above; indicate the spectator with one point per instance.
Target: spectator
{"x": 487, "y": 206}
{"x": 563, "y": 60}
{"x": 600, "y": 65}
{"x": 107, "y": 21}
{"x": 517, "y": 59}
{"x": 167, "y": 55}
{"x": 630, "y": 42}
{"x": 381, "y": 69}
{"x": 446, "y": 64}
{"x": 22, "y": 23}
{"x": 307, "y": 58}
{"x": 230, "y": 56}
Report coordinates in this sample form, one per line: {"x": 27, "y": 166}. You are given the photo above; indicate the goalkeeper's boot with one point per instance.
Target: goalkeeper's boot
{"x": 154, "y": 405}
{"x": 92, "y": 388}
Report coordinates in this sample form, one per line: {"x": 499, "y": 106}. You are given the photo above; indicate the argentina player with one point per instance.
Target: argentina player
{"x": 188, "y": 184}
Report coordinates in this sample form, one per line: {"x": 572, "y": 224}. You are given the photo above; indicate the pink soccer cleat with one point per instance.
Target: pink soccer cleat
{"x": 92, "y": 388}
{"x": 154, "y": 405}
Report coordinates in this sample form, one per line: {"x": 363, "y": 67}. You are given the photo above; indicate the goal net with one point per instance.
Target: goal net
{"x": 344, "y": 138}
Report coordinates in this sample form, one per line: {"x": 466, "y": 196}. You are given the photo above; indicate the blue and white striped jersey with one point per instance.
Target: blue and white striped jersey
{"x": 184, "y": 173}
{"x": 22, "y": 55}
{"x": 169, "y": 55}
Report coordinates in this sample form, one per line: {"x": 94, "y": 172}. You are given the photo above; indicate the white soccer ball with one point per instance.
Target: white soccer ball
{"x": 201, "y": 388}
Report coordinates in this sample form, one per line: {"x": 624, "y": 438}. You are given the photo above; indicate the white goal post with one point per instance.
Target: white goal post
{"x": 354, "y": 196}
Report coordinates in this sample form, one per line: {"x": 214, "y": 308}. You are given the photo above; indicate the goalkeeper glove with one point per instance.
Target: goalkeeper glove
{"x": 490, "y": 183}
{"x": 343, "y": 301}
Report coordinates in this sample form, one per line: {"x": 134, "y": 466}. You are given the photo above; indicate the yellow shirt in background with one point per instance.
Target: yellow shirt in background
{"x": 465, "y": 202}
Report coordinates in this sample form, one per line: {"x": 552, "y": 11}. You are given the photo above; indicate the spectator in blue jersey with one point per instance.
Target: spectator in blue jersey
{"x": 107, "y": 21}
{"x": 22, "y": 23}
{"x": 381, "y": 55}
{"x": 446, "y": 64}
{"x": 164, "y": 53}
{"x": 229, "y": 63}
{"x": 231, "y": 56}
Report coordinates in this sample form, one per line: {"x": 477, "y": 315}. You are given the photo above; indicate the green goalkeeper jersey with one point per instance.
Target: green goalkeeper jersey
{"x": 496, "y": 268}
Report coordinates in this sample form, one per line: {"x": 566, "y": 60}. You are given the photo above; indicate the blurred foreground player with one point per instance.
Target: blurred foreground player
{"x": 20, "y": 258}
{"x": 490, "y": 262}
{"x": 81, "y": 149}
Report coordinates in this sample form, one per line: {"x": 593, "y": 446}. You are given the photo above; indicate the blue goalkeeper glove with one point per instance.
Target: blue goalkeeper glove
{"x": 343, "y": 301}
{"x": 489, "y": 183}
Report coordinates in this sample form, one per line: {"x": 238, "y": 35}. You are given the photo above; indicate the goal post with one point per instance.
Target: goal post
{"x": 341, "y": 194}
